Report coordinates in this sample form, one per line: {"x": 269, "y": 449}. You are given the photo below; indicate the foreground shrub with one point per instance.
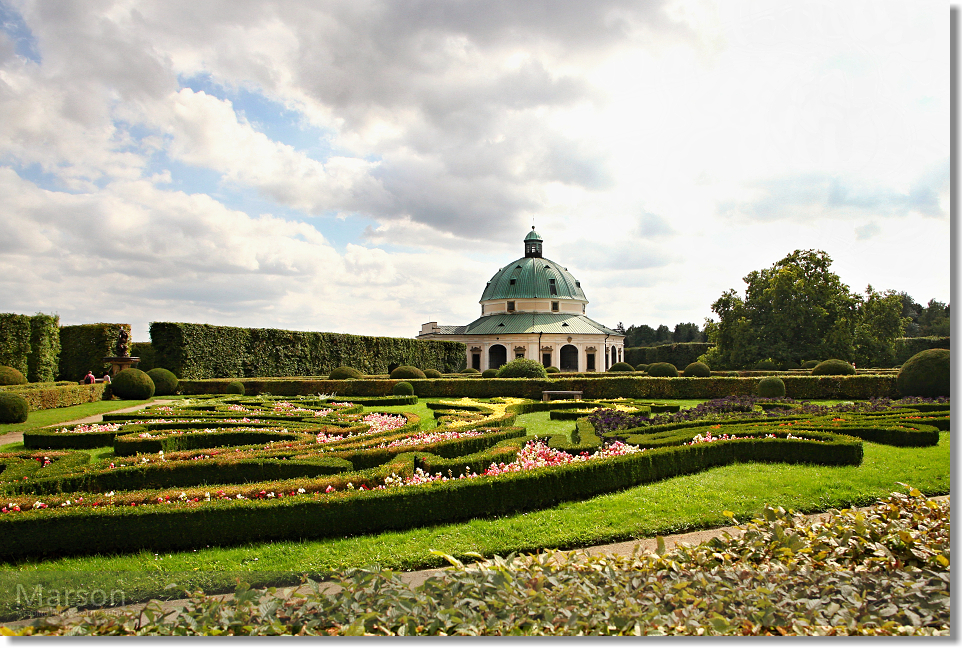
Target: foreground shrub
{"x": 407, "y": 372}
{"x": 771, "y": 387}
{"x": 833, "y": 367}
{"x": 10, "y": 376}
{"x": 165, "y": 382}
{"x": 433, "y": 373}
{"x": 621, "y": 366}
{"x": 522, "y": 368}
{"x": 235, "y": 387}
{"x": 489, "y": 373}
{"x": 13, "y": 408}
{"x": 925, "y": 374}
{"x": 403, "y": 389}
{"x": 552, "y": 370}
{"x": 345, "y": 373}
{"x": 697, "y": 370}
{"x": 663, "y": 370}
{"x": 132, "y": 384}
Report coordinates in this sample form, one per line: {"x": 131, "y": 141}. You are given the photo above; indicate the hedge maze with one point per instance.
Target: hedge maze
{"x": 225, "y": 470}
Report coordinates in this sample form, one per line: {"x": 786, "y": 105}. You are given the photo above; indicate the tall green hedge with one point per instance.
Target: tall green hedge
{"x": 905, "y": 348}
{"x": 144, "y": 351}
{"x": 15, "y": 341}
{"x": 83, "y": 348}
{"x": 198, "y": 351}
{"x": 680, "y": 355}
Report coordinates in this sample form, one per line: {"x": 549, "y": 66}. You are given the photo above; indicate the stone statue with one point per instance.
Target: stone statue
{"x": 121, "y": 348}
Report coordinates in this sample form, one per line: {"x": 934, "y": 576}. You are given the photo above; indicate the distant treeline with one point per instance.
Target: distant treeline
{"x": 645, "y": 336}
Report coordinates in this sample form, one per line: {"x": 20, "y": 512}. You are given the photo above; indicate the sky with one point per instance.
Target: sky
{"x": 365, "y": 166}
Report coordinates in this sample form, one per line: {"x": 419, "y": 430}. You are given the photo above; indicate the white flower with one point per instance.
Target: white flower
{"x": 301, "y": 491}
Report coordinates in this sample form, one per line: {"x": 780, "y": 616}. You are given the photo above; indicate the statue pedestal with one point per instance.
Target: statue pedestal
{"x": 120, "y": 363}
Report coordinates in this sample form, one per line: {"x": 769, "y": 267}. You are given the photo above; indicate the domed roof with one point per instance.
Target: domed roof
{"x": 533, "y": 277}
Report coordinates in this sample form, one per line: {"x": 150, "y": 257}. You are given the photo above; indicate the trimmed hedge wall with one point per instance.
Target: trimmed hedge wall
{"x": 905, "y": 348}
{"x": 31, "y": 345}
{"x": 15, "y": 341}
{"x": 681, "y": 354}
{"x": 198, "y": 351}
{"x": 41, "y": 397}
{"x": 800, "y": 387}
{"x": 144, "y": 351}
{"x": 84, "y": 347}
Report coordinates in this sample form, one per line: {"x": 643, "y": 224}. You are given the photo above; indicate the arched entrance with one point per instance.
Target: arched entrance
{"x": 614, "y": 355}
{"x": 569, "y": 358}
{"x": 497, "y": 356}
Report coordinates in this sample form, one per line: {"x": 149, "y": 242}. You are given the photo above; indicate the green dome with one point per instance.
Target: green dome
{"x": 533, "y": 278}
{"x": 533, "y": 236}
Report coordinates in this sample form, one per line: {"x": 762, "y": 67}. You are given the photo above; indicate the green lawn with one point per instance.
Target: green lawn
{"x": 43, "y": 418}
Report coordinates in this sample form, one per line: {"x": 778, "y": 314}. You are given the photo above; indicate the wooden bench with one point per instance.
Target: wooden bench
{"x": 549, "y": 395}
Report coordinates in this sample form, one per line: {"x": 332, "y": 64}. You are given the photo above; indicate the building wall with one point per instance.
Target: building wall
{"x": 527, "y": 345}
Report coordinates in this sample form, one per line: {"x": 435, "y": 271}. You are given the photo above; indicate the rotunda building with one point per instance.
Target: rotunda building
{"x": 534, "y": 308}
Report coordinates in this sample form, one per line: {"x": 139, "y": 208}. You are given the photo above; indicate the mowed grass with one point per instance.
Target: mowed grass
{"x": 43, "y": 418}
{"x": 674, "y": 505}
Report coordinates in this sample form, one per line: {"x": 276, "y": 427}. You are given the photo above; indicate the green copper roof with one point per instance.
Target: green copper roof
{"x": 531, "y": 277}
{"x": 535, "y": 323}
{"x": 533, "y": 236}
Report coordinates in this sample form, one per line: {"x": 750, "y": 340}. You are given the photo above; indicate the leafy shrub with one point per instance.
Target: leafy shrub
{"x": 132, "y": 384}
{"x": 663, "y": 370}
{"x": 522, "y": 368}
{"x": 790, "y": 364}
{"x": 433, "y": 373}
{"x": 833, "y": 367}
{"x": 809, "y": 364}
{"x": 407, "y": 372}
{"x": 470, "y": 370}
{"x": 771, "y": 387}
{"x": 489, "y": 373}
{"x": 235, "y": 387}
{"x": 345, "y": 373}
{"x": 641, "y": 367}
{"x": 403, "y": 389}
{"x": 925, "y": 374}
{"x": 697, "y": 370}
{"x": 552, "y": 370}
{"x": 621, "y": 366}
{"x": 766, "y": 365}
{"x": 10, "y": 376}
{"x": 165, "y": 382}
{"x": 13, "y": 408}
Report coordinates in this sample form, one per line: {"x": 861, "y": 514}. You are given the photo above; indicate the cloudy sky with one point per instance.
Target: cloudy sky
{"x": 365, "y": 166}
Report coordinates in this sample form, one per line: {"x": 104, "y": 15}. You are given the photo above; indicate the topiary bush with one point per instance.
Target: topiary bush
{"x": 11, "y": 376}
{"x": 433, "y": 373}
{"x": 132, "y": 384}
{"x": 522, "y": 368}
{"x": 470, "y": 370}
{"x": 489, "y": 373}
{"x": 548, "y": 370}
{"x": 766, "y": 365}
{"x": 642, "y": 367}
{"x": 925, "y": 374}
{"x": 345, "y": 373}
{"x": 165, "y": 382}
{"x": 407, "y": 372}
{"x": 663, "y": 370}
{"x": 236, "y": 387}
{"x": 697, "y": 370}
{"x": 771, "y": 387}
{"x": 403, "y": 389}
{"x": 809, "y": 364}
{"x": 789, "y": 365}
{"x": 833, "y": 367}
{"x": 13, "y": 408}
{"x": 621, "y": 366}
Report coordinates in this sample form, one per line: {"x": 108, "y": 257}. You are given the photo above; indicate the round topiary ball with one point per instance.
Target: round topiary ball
{"x": 407, "y": 372}
{"x": 132, "y": 384}
{"x": 403, "y": 389}
{"x": 771, "y": 387}
{"x": 489, "y": 373}
{"x": 642, "y": 367}
{"x": 165, "y": 382}
{"x": 236, "y": 387}
{"x": 548, "y": 370}
{"x": 470, "y": 370}
{"x": 14, "y": 408}
{"x": 344, "y": 373}
{"x": 697, "y": 370}
{"x": 789, "y": 365}
{"x": 621, "y": 366}
{"x": 433, "y": 373}
{"x": 10, "y": 376}
{"x": 833, "y": 367}
{"x": 522, "y": 368}
{"x": 925, "y": 374}
{"x": 766, "y": 365}
{"x": 809, "y": 364}
{"x": 663, "y": 370}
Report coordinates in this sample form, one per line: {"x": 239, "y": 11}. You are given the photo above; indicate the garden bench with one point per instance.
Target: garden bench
{"x": 550, "y": 395}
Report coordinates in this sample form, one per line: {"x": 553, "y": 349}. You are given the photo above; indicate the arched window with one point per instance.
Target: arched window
{"x": 497, "y": 356}
{"x": 569, "y": 358}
